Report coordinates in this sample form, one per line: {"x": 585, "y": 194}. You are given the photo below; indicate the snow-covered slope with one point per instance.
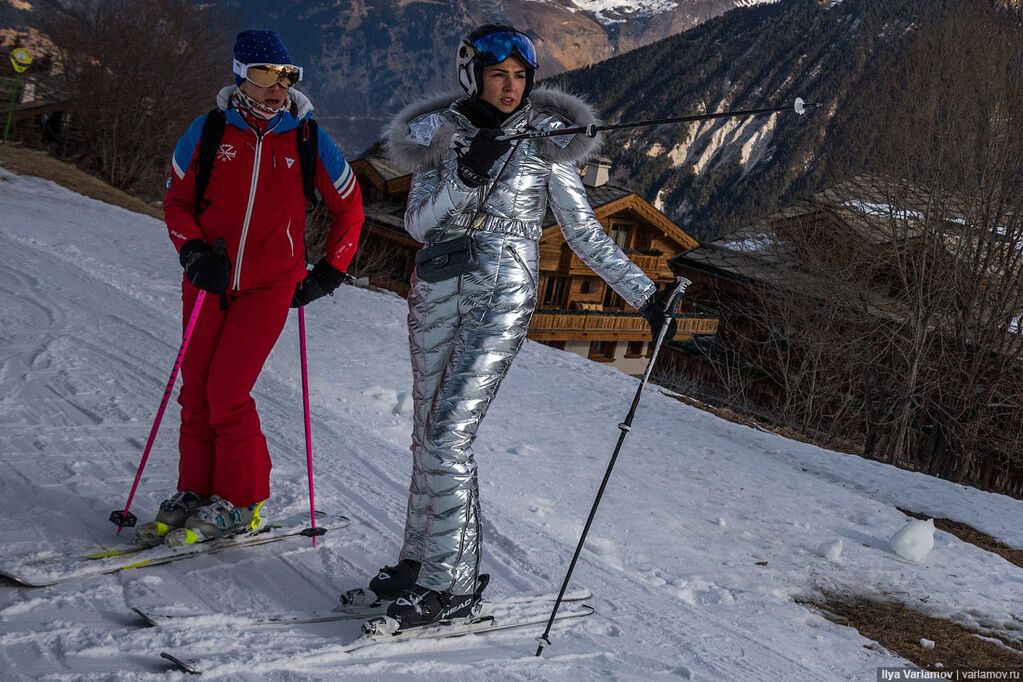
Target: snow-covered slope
{"x": 707, "y": 532}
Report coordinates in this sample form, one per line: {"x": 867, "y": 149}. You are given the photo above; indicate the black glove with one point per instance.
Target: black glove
{"x": 320, "y": 281}
{"x": 474, "y": 165}
{"x": 653, "y": 311}
{"x": 207, "y": 269}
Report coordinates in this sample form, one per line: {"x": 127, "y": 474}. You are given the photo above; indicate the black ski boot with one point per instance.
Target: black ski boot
{"x": 389, "y": 584}
{"x": 421, "y": 607}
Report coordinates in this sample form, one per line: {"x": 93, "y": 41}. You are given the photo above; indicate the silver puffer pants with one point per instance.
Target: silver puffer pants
{"x": 464, "y": 333}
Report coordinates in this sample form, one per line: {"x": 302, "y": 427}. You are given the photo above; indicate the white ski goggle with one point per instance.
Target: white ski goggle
{"x": 267, "y": 75}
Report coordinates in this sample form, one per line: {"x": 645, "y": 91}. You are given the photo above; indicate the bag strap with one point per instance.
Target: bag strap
{"x": 493, "y": 185}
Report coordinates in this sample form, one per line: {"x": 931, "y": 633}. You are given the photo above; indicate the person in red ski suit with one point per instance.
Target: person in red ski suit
{"x": 245, "y": 247}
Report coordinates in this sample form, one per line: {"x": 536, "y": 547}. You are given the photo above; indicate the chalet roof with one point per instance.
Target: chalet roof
{"x": 597, "y": 196}
{"x": 387, "y": 214}
{"x": 883, "y": 212}
{"x": 749, "y": 254}
{"x": 865, "y": 204}
{"x": 390, "y": 214}
{"x": 387, "y": 169}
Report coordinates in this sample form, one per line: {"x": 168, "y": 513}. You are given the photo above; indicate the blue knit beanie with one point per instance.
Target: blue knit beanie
{"x": 259, "y": 47}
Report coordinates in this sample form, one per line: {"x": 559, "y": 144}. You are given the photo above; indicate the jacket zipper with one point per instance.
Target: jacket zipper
{"x": 290, "y": 242}
{"x": 522, "y": 263}
{"x": 248, "y": 209}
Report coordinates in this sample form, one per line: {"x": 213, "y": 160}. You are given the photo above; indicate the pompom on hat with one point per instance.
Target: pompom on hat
{"x": 259, "y": 47}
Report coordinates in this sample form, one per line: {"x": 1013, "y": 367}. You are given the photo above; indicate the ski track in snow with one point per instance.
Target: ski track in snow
{"x": 89, "y": 325}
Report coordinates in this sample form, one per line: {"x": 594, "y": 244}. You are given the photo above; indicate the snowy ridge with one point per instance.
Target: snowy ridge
{"x": 708, "y": 528}
{"x": 620, "y": 11}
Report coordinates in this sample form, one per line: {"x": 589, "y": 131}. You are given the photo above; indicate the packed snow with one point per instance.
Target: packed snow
{"x": 708, "y": 533}
{"x": 914, "y": 541}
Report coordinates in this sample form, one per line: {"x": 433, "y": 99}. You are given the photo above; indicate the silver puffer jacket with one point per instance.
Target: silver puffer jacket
{"x": 464, "y": 332}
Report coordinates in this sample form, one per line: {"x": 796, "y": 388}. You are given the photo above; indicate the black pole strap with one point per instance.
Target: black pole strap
{"x": 219, "y": 249}
{"x": 591, "y": 130}
{"x": 680, "y": 284}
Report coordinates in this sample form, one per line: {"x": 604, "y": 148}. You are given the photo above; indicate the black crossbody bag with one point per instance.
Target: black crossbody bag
{"x": 454, "y": 257}
{"x": 447, "y": 259}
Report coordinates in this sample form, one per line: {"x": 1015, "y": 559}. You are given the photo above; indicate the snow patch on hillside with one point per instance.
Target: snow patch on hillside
{"x": 659, "y": 200}
{"x": 707, "y": 144}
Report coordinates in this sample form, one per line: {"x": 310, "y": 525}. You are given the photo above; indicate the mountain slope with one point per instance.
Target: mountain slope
{"x": 712, "y": 176}
{"x": 708, "y": 531}
{"x": 370, "y": 57}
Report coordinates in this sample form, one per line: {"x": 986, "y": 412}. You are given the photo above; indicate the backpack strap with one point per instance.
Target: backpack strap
{"x": 308, "y": 154}
{"x": 209, "y": 142}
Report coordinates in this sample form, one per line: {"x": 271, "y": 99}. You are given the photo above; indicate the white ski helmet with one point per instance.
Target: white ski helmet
{"x": 491, "y": 44}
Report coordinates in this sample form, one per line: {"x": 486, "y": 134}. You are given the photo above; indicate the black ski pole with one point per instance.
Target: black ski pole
{"x": 591, "y": 130}
{"x": 669, "y": 310}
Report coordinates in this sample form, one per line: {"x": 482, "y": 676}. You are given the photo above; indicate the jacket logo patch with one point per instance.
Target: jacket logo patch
{"x": 290, "y": 162}
{"x": 226, "y": 152}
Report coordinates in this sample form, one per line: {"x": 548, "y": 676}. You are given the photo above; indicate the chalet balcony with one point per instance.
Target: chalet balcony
{"x": 655, "y": 266}
{"x": 573, "y": 325}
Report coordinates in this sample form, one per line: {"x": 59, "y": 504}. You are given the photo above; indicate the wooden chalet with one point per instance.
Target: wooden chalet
{"x": 576, "y": 310}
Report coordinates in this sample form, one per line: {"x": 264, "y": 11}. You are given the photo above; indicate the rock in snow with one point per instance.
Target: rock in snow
{"x": 914, "y": 541}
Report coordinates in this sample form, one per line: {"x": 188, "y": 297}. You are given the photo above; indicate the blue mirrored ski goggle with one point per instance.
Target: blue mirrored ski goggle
{"x": 494, "y": 48}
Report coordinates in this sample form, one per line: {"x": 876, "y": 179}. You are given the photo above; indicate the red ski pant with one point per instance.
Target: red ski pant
{"x": 223, "y": 450}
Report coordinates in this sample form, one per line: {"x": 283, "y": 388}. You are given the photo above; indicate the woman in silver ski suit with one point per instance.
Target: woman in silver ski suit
{"x": 465, "y": 331}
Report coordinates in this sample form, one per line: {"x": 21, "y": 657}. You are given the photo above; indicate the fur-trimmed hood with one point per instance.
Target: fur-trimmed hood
{"x": 419, "y": 136}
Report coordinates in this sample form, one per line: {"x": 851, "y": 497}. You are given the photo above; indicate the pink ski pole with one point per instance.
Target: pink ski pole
{"x": 124, "y": 518}
{"x": 313, "y": 531}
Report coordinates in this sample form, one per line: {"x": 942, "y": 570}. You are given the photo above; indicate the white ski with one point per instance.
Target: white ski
{"x": 501, "y": 618}
{"x": 41, "y": 571}
{"x": 177, "y": 618}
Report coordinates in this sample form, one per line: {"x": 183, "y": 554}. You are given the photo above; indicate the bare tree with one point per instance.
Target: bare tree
{"x": 138, "y": 71}
{"x": 946, "y": 166}
{"x": 890, "y": 308}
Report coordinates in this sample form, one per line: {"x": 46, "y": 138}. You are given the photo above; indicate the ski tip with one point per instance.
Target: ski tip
{"x": 26, "y": 581}
{"x": 182, "y": 664}
{"x": 145, "y": 617}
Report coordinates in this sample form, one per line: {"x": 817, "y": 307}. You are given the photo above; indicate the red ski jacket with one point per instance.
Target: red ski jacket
{"x": 256, "y": 201}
